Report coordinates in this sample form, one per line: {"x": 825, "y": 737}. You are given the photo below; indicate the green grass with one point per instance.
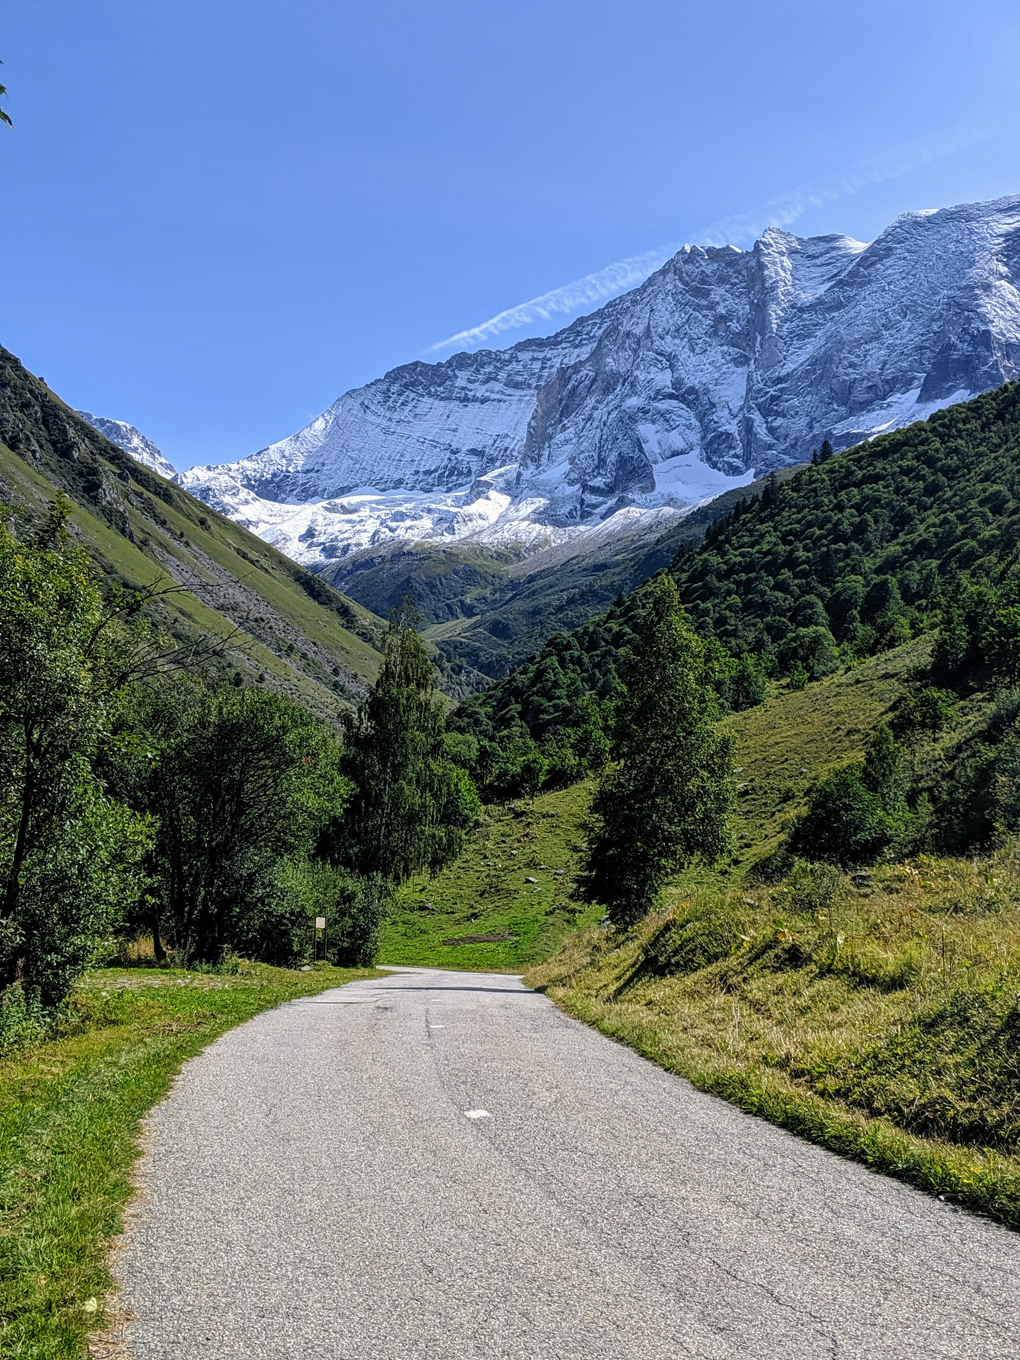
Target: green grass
{"x": 485, "y": 892}
{"x": 798, "y": 736}
{"x": 70, "y": 1110}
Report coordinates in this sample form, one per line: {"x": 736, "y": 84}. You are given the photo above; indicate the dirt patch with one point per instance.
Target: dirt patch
{"x": 494, "y": 937}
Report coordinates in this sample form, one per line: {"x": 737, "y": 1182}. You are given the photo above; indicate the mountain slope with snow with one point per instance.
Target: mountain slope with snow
{"x": 722, "y": 365}
{"x": 132, "y": 441}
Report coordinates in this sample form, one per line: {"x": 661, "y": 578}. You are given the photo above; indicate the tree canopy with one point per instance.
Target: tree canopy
{"x": 663, "y": 801}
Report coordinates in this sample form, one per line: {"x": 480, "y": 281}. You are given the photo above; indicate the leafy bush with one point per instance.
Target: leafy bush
{"x": 69, "y": 856}
{"x": 930, "y": 710}
{"x": 241, "y": 781}
{"x": 860, "y": 812}
{"x": 353, "y": 908}
{"x": 845, "y": 822}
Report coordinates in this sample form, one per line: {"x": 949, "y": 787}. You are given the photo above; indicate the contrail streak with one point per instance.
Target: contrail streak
{"x": 741, "y": 229}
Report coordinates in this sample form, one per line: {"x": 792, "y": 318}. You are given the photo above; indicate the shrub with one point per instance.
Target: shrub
{"x": 844, "y": 822}
{"x": 814, "y": 887}
{"x": 929, "y": 710}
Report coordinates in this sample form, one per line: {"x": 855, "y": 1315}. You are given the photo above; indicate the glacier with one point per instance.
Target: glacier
{"x": 722, "y": 365}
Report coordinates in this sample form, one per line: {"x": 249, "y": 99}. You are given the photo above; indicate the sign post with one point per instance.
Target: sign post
{"x": 320, "y": 924}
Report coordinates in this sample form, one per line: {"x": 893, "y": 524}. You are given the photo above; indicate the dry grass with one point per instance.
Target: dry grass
{"x": 877, "y": 1013}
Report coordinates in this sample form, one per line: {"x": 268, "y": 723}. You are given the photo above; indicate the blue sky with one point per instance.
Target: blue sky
{"x": 218, "y": 216}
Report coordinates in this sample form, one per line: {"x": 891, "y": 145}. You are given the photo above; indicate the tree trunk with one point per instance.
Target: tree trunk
{"x": 157, "y": 943}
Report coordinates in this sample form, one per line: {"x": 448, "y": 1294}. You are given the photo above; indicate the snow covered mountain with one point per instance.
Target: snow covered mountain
{"x": 720, "y": 366}
{"x": 132, "y": 441}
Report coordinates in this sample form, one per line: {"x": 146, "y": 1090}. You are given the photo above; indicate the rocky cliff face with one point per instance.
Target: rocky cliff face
{"x": 722, "y": 365}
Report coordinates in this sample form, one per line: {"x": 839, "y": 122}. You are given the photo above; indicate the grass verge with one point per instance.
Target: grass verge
{"x": 70, "y": 1110}
{"x": 876, "y": 1014}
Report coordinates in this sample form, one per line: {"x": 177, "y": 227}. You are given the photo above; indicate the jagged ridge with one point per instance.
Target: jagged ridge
{"x": 722, "y": 365}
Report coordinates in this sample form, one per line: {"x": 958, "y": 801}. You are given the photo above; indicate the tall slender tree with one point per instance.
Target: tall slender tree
{"x": 410, "y": 801}
{"x": 663, "y": 801}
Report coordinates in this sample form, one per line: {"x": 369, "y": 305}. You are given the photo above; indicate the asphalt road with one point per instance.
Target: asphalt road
{"x": 442, "y": 1165}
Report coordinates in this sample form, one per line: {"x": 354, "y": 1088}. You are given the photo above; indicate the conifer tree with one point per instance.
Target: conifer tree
{"x": 410, "y": 802}
{"x": 663, "y": 802}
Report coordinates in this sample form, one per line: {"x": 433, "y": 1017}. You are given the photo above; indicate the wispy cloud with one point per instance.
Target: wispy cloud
{"x": 740, "y": 229}
{"x": 597, "y": 287}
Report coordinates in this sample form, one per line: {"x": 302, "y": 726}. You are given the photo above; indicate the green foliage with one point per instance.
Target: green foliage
{"x": 950, "y": 1073}
{"x": 860, "y": 812}
{"x": 811, "y": 651}
{"x": 513, "y": 765}
{"x": 663, "y": 803}
{"x": 930, "y": 710}
{"x": 410, "y": 804}
{"x": 844, "y": 822}
{"x": 748, "y": 683}
{"x": 352, "y": 907}
{"x": 975, "y": 789}
{"x": 240, "y": 781}
{"x": 23, "y": 1020}
{"x": 68, "y": 855}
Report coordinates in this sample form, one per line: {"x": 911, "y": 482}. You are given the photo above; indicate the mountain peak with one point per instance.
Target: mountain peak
{"x": 132, "y": 441}
{"x": 720, "y": 366}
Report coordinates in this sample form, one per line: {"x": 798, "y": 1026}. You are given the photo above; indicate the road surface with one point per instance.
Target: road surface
{"x": 441, "y": 1165}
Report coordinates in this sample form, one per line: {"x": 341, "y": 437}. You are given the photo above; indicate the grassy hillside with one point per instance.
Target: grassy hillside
{"x": 486, "y": 891}
{"x": 782, "y": 746}
{"x": 875, "y": 1012}
{"x": 277, "y": 621}
{"x": 799, "y": 736}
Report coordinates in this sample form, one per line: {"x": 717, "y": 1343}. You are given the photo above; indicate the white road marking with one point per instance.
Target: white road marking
{"x": 478, "y": 1114}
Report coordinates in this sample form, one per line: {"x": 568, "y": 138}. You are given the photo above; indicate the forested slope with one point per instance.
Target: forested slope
{"x": 486, "y": 611}
{"x": 853, "y": 556}
{"x": 274, "y": 619}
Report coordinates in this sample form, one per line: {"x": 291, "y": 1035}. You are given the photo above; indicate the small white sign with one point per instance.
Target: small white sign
{"x": 320, "y": 923}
